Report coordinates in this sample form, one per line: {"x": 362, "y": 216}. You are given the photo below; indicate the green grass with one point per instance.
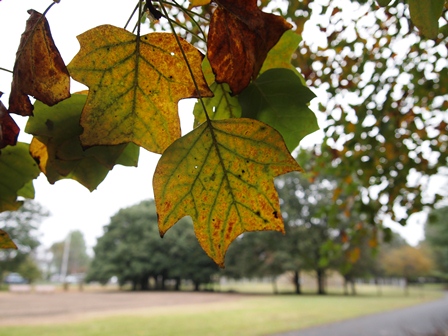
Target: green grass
{"x": 257, "y": 315}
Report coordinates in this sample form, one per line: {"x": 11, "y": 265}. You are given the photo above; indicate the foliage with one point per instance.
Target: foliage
{"x": 407, "y": 262}
{"x": 383, "y": 110}
{"x": 131, "y": 250}
{"x": 436, "y": 234}
{"x": 22, "y": 225}
{"x": 29, "y": 269}
{"x": 386, "y": 128}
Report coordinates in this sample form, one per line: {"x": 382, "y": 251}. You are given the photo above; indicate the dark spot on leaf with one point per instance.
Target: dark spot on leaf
{"x": 243, "y": 171}
{"x": 258, "y": 213}
{"x": 50, "y": 124}
{"x": 275, "y": 214}
{"x": 213, "y": 177}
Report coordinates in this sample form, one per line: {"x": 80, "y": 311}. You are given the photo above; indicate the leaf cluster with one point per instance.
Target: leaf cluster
{"x": 221, "y": 174}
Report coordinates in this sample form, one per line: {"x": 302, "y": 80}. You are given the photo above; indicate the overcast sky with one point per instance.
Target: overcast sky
{"x": 71, "y": 205}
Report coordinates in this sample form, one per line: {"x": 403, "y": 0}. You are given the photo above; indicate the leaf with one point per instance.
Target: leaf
{"x": 239, "y": 39}
{"x": 425, "y": 15}
{"x": 9, "y": 131}
{"x": 135, "y": 85}
{"x": 57, "y": 148}
{"x": 39, "y": 70}
{"x": 197, "y": 3}
{"x": 6, "y": 241}
{"x": 280, "y": 55}
{"x": 17, "y": 169}
{"x": 279, "y": 99}
{"x": 221, "y": 174}
{"x": 222, "y": 106}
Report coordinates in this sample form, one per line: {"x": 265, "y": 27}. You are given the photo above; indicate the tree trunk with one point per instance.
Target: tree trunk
{"x": 274, "y": 285}
{"x": 352, "y": 282}
{"x": 345, "y": 286}
{"x": 177, "y": 285}
{"x": 379, "y": 290}
{"x": 296, "y": 280}
{"x": 320, "y": 281}
{"x": 144, "y": 285}
{"x": 196, "y": 285}
{"x": 406, "y": 286}
{"x": 163, "y": 282}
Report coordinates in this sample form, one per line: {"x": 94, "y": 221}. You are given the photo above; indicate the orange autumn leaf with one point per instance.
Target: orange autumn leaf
{"x": 39, "y": 70}
{"x": 222, "y": 175}
{"x": 239, "y": 40}
{"x": 135, "y": 85}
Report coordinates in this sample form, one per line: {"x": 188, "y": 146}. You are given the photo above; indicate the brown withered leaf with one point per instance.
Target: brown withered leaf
{"x": 39, "y": 70}
{"x": 239, "y": 40}
{"x": 9, "y": 131}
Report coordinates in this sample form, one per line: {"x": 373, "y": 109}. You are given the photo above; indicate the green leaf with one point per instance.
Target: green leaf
{"x": 18, "y": 169}
{"x": 27, "y": 191}
{"x": 425, "y": 15}
{"x": 222, "y": 106}
{"x": 279, "y": 99}
{"x": 6, "y": 241}
{"x": 59, "y": 151}
{"x": 280, "y": 55}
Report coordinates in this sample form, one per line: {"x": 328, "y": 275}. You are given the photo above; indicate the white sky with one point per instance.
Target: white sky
{"x": 72, "y": 206}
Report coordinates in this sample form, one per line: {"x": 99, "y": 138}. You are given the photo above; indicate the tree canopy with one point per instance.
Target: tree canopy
{"x": 23, "y": 225}
{"x": 380, "y": 67}
{"x": 131, "y": 251}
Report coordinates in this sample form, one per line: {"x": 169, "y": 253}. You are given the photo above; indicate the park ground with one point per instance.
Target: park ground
{"x": 100, "y": 312}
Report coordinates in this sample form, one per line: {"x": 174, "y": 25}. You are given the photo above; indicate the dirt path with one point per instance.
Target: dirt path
{"x": 57, "y": 307}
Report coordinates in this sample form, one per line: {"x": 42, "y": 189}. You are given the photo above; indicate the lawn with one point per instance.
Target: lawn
{"x": 257, "y": 315}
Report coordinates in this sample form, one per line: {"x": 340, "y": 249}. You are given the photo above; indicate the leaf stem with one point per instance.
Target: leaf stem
{"x": 186, "y": 61}
{"x": 182, "y": 8}
{"x": 189, "y": 13}
{"x": 7, "y": 70}
{"x": 132, "y": 15}
{"x": 186, "y": 29}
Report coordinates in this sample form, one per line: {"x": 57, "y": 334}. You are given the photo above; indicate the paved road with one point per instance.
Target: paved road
{"x": 413, "y": 321}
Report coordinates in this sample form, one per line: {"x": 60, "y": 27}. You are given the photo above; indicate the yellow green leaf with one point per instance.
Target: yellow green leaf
{"x": 135, "y": 84}
{"x": 280, "y": 55}
{"x": 221, "y": 174}
{"x": 222, "y": 105}
{"x": 6, "y": 241}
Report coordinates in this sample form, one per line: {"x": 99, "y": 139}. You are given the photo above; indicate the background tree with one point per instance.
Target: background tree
{"x": 22, "y": 225}
{"x": 132, "y": 250}
{"x": 385, "y": 96}
{"x": 407, "y": 262}
{"x": 436, "y": 233}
